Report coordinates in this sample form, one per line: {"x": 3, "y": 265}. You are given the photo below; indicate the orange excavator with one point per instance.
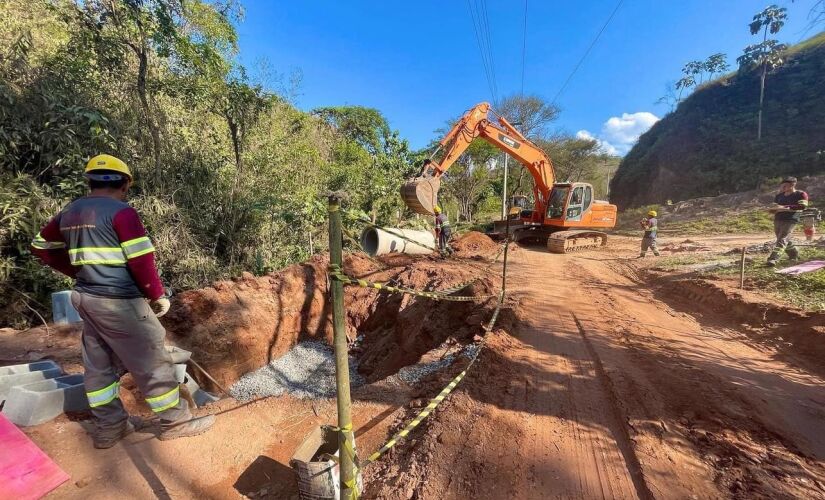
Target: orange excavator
{"x": 565, "y": 215}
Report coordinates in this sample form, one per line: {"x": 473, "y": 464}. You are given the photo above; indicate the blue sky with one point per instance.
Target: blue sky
{"x": 418, "y": 62}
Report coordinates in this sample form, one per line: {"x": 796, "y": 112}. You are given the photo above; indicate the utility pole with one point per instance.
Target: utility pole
{"x": 504, "y": 214}
{"x": 504, "y": 191}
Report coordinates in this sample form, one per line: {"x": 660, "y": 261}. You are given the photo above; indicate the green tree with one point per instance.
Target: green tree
{"x": 716, "y": 64}
{"x": 766, "y": 54}
{"x": 196, "y": 37}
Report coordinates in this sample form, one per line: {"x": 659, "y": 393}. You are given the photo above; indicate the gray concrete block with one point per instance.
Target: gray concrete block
{"x": 39, "y": 402}
{"x": 63, "y": 312}
{"x": 27, "y": 373}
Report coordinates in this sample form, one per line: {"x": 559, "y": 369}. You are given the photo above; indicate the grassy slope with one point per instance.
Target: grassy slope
{"x": 806, "y": 291}
{"x": 708, "y": 145}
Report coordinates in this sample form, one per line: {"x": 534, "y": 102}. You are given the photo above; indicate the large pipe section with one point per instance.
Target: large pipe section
{"x": 376, "y": 241}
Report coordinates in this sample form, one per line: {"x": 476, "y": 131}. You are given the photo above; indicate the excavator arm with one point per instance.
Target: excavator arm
{"x": 421, "y": 193}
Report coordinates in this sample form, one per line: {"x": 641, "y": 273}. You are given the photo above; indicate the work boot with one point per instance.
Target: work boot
{"x": 772, "y": 260}
{"x": 106, "y": 438}
{"x": 656, "y": 254}
{"x": 641, "y": 256}
{"x": 187, "y": 428}
{"x": 793, "y": 253}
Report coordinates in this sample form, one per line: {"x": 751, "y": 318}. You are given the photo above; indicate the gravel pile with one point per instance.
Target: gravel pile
{"x": 306, "y": 371}
{"x": 413, "y": 373}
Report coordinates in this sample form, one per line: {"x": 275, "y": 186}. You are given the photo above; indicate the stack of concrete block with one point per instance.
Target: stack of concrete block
{"x": 38, "y": 402}
{"x": 15, "y": 375}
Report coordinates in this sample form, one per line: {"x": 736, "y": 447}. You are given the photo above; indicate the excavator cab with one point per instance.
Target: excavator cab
{"x": 569, "y": 202}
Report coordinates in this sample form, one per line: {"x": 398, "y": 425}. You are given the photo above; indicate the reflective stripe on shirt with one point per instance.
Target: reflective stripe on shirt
{"x": 40, "y": 243}
{"x": 137, "y": 247}
{"x": 96, "y": 255}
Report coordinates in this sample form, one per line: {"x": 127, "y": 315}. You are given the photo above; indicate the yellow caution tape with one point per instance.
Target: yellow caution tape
{"x": 421, "y": 415}
{"x": 439, "y": 398}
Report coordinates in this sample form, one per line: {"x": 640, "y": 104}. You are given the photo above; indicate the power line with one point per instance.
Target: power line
{"x": 481, "y": 27}
{"x": 592, "y": 44}
{"x": 524, "y": 47}
{"x": 489, "y": 39}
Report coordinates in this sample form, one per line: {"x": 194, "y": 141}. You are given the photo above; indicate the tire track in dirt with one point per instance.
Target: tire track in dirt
{"x": 622, "y": 435}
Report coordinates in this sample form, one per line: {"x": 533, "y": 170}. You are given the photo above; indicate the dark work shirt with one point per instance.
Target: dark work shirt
{"x": 798, "y": 201}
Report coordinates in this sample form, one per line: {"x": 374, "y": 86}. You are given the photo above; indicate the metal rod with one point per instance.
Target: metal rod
{"x": 742, "y": 270}
{"x": 345, "y": 434}
{"x": 207, "y": 375}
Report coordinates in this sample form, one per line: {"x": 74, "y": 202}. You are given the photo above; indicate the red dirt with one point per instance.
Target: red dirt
{"x": 474, "y": 244}
{"x": 602, "y": 390}
{"x": 601, "y": 382}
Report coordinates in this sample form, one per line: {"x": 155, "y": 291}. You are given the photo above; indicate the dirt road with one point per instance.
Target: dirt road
{"x": 601, "y": 382}
{"x": 608, "y": 388}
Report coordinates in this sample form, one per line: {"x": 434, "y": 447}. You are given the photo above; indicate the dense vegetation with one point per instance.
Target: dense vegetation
{"x": 709, "y": 145}
{"x": 229, "y": 174}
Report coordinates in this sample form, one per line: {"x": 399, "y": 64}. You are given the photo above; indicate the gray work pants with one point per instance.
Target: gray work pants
{"x": 649, "y": 243}
{"x": 122, "y": 335}
{"x": 444, "y": 240}
{"x": 783, "y": 230}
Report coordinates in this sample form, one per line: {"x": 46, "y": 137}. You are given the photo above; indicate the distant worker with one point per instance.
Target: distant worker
{"x": 788, "y": 206}
{"x": 442, "y": 231}
{"x": 651, "y": 227}
{"x": 100, "y": 241}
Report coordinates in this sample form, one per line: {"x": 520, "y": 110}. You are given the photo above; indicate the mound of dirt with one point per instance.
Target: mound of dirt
{"x": 474, "y": 244}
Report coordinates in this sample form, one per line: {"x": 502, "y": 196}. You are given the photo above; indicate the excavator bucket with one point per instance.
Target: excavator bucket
{"x": 421, "y": 194}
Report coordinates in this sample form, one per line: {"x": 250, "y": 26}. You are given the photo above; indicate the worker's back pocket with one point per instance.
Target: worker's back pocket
{"x": 141, "y": 309}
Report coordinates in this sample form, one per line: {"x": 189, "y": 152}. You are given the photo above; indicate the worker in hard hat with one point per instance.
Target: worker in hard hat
{"x": 100, "y": 241}
{"x": 650, "y": 225}
{"x": 442, "y": 231}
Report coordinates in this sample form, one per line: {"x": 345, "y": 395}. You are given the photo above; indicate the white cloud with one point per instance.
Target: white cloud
{"x": 620, "y": 133}
{"x": 605, "y": 146}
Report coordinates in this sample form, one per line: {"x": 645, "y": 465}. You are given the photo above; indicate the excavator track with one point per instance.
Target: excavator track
{"x": 575, "y": 240}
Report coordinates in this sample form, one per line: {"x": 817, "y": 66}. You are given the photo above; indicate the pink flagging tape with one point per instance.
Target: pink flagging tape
{"x": 807, "y": 267}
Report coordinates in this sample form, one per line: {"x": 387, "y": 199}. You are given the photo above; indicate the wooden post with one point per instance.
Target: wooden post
{"x": 345, "y": 435}
{"x": 742, "y": 270}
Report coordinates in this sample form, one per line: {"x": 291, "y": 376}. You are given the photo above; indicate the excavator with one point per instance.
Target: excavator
{"x": 565, "y": 215}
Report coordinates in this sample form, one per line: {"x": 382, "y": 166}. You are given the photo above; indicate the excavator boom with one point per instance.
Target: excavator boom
{"x": 421, "y": 193}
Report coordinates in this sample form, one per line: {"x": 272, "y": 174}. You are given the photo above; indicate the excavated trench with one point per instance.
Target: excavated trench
{"x": 235, "y": 327}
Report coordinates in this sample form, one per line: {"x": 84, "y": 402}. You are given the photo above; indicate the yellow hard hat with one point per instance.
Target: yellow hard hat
{"x": 108, "y": 162}
{"x": 437, "y": 209}
{"x": 652, "y": 213}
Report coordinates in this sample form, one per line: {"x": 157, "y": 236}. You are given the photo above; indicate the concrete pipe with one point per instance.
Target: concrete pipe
{"x": 379, "y": 242}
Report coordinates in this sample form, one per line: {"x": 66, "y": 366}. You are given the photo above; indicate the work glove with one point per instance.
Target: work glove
{"x": 160, "y": 306}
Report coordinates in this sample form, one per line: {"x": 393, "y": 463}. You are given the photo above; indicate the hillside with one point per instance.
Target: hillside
{"x": 708, "y": 146}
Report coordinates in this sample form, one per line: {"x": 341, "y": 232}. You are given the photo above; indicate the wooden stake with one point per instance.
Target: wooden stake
{"x": 345, "y": 434}
{"x": 742, "y": 270}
